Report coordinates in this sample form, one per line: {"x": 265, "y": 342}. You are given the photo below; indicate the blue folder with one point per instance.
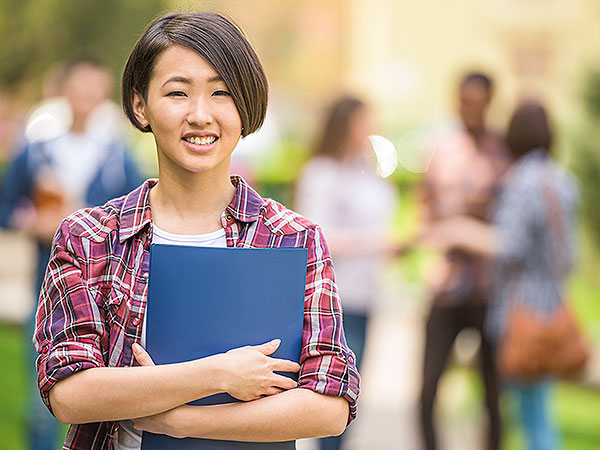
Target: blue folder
{"x": 203, "y": 301}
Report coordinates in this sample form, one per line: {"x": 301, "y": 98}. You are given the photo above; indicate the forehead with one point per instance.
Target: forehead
{"x": 178, "y": 60}
{"x": 85, "y": 71}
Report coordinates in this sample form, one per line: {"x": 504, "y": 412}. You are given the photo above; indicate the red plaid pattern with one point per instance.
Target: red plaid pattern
{"x": 93, "y": 298}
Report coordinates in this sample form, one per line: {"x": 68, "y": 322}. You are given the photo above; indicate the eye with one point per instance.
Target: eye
{"x": 176, "y": 94}
{"x": 222, "y": 93}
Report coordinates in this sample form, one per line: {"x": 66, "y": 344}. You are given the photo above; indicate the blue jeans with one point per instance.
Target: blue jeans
{"x": 539, "y": 428}
{"x": 355, "y": 328}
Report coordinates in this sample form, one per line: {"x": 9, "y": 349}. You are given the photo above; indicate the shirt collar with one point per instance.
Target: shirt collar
{"x": 136, "y": 213}
{"x": 245, "y": 204}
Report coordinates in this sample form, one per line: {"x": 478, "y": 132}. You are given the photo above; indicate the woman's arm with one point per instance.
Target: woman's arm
{"x": 464, "y": 233}
{"x": 115, "y": 393}
{"x": 295, "y": 414}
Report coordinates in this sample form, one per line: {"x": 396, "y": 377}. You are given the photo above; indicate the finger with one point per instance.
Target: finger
{"x": 268, "y": 347}
{"x": 247, "y": 398}
{"x": 271, "y": 391}
{"x": 283, "y": 382}
{"x": 141, "y": 355}
{"x": 284, "y": 365}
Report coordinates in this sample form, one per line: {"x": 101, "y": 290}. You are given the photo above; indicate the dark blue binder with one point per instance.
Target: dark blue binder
{"x": 203, "y": 301}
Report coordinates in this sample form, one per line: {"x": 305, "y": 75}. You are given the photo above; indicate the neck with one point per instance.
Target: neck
{"x": 78, "y": 125}
{"x": 191, "y": 203}
{"x": 478, "y": 133}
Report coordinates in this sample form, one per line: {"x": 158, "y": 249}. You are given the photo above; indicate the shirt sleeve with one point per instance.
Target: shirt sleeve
{"x": 327, "y": 364}
{"x": 15, "y": 185}
{"x": 69, "y": 331}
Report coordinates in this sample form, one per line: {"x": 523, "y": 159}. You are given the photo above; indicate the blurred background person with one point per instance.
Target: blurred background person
{"x": 340, "y": 189}
{"x": 9, "y": 129}
{"x": 463, "y": 179}
{"x": 48, "y": 179}
{"x": 532, "y": 260}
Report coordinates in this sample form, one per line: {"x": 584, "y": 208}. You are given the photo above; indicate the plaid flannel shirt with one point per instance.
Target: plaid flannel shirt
{"x": 93, "y": 297}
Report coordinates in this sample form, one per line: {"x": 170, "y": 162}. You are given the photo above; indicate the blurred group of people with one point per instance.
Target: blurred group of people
{"x": 483, "y": 208}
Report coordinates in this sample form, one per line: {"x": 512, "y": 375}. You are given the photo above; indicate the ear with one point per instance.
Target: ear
{"x": 139, "y": 109}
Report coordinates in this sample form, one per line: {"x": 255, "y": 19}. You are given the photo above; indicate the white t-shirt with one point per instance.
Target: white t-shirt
{"x": 348, "y": 196}
{"x": 129, "y": 437}
{"x": 76, "y": 159}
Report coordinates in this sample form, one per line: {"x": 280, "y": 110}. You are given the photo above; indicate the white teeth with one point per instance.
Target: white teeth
{"x": 205, "y": 140}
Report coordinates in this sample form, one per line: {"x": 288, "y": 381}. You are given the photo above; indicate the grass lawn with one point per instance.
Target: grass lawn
{"x": 12, "y": 390}
{"x": 15, "y": 382}
{"x": 576, "y": 413}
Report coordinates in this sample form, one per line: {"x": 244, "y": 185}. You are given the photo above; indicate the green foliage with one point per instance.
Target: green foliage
{"x": 592, "y": 94}
{"x": 580, "y": 430}
{"x": 586, "y": 158}
{"x": 39, "y": 34}
{"x": 282, "y": 164}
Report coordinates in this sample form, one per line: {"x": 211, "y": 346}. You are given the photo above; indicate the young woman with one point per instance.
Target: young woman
{"x": 340, "y": 190}
{"x": 196, "y": 84}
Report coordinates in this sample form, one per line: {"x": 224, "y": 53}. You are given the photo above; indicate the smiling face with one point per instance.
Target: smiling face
{"x": 194, "y": 120}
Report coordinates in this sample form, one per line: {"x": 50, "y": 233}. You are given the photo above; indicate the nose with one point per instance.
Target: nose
{"x": 199, "y": 113}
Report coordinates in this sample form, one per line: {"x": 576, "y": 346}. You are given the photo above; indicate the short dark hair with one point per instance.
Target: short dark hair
{"x": 480, "y": 78}
{"x": 220, "y": 43}
{"x": 337, "y": 126}
{"x": 529, "y": 129}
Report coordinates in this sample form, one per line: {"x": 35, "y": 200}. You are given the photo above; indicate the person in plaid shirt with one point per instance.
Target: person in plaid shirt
{"x": 194, "y": 82}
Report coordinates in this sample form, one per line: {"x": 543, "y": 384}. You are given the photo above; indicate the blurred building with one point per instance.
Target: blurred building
{"x": 406, "y": 57}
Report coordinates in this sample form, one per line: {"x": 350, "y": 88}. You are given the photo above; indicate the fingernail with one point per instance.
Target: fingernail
{"x": 135, "y": 348}
{"x": 276, "y": 341}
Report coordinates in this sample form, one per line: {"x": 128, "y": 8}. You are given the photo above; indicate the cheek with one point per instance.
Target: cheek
{"x": 164, "y": 117}
{"x": 230, "y": 117}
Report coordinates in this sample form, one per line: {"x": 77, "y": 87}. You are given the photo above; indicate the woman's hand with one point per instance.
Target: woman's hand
{"x": 460, "y": 232}
{"x": 249, "y": 372}
{"x": 248, "y": 375}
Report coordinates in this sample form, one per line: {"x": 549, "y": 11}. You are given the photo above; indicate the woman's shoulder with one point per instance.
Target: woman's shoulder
{"x": 527, "y": 171}
{"x": 281, "y": 220}
{"x": 533, "y": 171}
{"x": 94, "y": 223}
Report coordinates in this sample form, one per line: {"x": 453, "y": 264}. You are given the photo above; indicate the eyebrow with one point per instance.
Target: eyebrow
{"x": 188, "y": 81}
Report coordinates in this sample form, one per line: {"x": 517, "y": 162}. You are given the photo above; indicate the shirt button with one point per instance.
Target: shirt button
{"x": 136, "y": 321}
{"x": 229, "y": 217}
{"x": 44, "y": 349}
{"x": 145, "y": 275}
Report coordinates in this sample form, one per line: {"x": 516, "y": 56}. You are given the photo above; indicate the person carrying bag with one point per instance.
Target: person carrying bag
{"x": 535, "y": 346}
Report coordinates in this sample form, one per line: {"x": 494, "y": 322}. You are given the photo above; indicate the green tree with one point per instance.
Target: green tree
{"x": 586, "y": 161}
{"x": 39, "y": 34}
